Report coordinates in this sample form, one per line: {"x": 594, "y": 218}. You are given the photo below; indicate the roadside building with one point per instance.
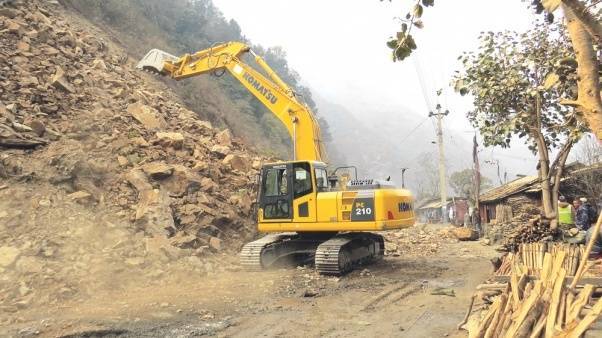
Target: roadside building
{"x": 429, "y": 211}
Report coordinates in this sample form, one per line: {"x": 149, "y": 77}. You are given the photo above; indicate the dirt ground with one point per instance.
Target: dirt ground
{"x": 389, "y": 298}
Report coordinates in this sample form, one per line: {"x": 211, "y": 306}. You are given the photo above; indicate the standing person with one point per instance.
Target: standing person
{"x": 586, "y": 215}
{"x": 566, "y": 213}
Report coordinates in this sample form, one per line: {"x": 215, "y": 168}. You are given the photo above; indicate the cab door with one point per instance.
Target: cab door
{"x": 276, "y": 199}
{"x": 304, "y": 193}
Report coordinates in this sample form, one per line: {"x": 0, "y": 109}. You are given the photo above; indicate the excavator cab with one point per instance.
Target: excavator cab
{"x": 288, "y": 191}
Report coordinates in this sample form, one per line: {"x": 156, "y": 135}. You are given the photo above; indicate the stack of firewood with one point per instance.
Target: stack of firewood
{"x": 535, "y": 230}
{"x": 538, "y": 307}
{"x": 531, "y": 257}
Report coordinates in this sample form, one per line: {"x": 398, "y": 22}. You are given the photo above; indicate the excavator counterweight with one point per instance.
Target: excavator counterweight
{"x": 310, "y": 218}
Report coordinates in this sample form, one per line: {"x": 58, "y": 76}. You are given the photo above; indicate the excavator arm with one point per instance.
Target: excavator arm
{"x": 274, "y": 93}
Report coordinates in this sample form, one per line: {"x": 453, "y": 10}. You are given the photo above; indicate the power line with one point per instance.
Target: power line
{"x": 413, "y": 130}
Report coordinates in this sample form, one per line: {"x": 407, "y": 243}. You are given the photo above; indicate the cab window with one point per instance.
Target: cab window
{"x": 302, "y": 179}
{"x": 321, "y": 180}
{"x": 275, "y": 182}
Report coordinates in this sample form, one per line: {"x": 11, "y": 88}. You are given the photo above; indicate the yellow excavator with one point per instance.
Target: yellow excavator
{"x": 307, "y": 210}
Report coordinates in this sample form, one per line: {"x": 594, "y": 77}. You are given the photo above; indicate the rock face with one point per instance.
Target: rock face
{"x": 105, "y": 175}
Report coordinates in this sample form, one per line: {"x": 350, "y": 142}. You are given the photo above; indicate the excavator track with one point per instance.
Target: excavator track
{"x": 344, "y": 252}
{"x": 273, "y": 249}
{"x": 251, "y": 253}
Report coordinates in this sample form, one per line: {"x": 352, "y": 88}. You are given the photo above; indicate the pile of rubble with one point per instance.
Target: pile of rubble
{"x": 417, "y": 240}
{"x": 88, "y": 144}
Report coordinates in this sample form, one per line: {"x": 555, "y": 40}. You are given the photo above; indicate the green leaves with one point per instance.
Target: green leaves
{"x": 517, "y": 82}
{"x": 417, "y": 10}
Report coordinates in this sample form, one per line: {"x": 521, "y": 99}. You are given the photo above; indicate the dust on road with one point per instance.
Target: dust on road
{"x": 390, "y": 298}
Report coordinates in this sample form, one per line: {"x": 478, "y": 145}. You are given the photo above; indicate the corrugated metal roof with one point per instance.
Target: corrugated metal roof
{"x": 510, "y": 188}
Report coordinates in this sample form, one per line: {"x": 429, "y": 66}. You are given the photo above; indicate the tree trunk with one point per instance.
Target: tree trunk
{"x": 588, "y": 101}
{"x": 589, "y": 22}
{"x": 558, "y": 168}
{"x": 544, "y": 177}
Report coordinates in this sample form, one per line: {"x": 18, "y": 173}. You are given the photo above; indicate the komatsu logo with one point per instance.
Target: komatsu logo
{"x": 403, "y": 206}
{"x": 263, "y": 90}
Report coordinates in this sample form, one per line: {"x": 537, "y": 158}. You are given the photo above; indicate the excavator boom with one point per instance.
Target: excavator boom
{"x": 274, "y": 93}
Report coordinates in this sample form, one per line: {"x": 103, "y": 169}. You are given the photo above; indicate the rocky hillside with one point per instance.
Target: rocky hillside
{"x": 106, "y": 178}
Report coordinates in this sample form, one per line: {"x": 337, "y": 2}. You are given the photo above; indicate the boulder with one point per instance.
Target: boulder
{"x": 8, "y": 255}
{"x": 157, "y": 170}
{"x": 224, "y": 138}
{"x": 215, "y": 243}
{"x": 153, "y": 212}
{"x": 465, "y": 234}
{"x": 183, "y": 241}
{"x": 80, "y": 196}
{"x": 147, "y": 116}
{"x": 174, "y": 140}
{"x": 59, "y": 81}
{"x": 182, "y": 181}
{"x": 207, "y": 184}
{"x": 123, "y": 161}
{"x": 237, "y": 162}
{"x": 220, "y": 151}
{"x": 8, "y": 12}
{"x": 23, "y": 46}
{"x": 38, "y": 127}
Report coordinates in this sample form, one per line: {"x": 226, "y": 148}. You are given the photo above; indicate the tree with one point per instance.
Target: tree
{"x": 463, "y": 183}
{"x": 585, "y": 31}
{"x": 518, "y": 82}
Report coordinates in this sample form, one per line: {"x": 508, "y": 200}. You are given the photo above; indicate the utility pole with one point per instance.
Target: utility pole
{"x": 442, "y": 181}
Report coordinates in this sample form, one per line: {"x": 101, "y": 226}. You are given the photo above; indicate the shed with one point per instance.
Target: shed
{"x": 430, "y": 210}
{"x": 501, "y": 202}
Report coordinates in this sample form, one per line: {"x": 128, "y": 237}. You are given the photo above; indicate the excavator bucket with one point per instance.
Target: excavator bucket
{"x": 154, "y": 61}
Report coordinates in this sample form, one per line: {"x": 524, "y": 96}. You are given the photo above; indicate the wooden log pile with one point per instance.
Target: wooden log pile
{"x": 531, "y": 257}
{"x": 544, "y": 307}
{"x": 535, "y": 230}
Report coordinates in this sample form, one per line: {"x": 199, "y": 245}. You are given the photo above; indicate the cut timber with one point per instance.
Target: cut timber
{"x": 581, "y": 300}
{"x": 555, "y": 302}
{"x": 499, "y": 312}
{"x": 585, "y": 255}
{"x": 586, "y": 322}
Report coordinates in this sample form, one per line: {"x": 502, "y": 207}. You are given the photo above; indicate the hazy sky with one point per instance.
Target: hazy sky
{"x": 339, "y": 49}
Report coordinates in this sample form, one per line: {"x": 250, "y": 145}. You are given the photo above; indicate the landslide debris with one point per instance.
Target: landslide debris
{"x": 106, "y": 178}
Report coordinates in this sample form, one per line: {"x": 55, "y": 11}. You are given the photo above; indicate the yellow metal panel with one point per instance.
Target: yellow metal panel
{"x": 327, "y": 207}
{"x": 337, "y": 226}
{"x": 310, "y": 199}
